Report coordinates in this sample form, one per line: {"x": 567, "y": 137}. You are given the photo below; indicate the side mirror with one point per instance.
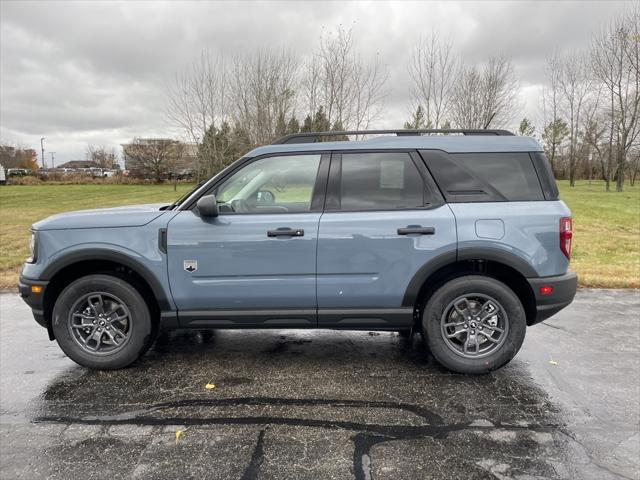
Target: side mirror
{"x": 208, "y": 206}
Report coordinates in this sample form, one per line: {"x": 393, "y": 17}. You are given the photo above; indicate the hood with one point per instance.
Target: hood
{"x": 129, "y": 216}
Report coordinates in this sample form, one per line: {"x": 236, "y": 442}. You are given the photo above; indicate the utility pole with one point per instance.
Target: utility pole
{"x": 52, "y": 159}
{"x": 42, "y": 147}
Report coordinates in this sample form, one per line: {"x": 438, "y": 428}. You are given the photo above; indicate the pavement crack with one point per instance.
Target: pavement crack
{"x": 427, "y": 415}
{"x": 256, "y": 458}
{"x": 362, "y": 454}
{"x": 587, "y": 454}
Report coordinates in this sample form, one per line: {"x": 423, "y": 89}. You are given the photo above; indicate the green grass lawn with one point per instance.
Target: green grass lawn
{"x": 606, "y": 242}
{"x": 606, "y": 251}
{"x": 22, "y": 205}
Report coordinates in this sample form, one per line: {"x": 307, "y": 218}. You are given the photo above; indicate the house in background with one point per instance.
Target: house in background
{"x": 76, "y": 164}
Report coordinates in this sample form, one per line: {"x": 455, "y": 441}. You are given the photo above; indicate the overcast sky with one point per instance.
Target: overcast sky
{"x": 96, "y": 72}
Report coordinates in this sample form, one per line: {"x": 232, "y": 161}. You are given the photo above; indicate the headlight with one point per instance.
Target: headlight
{"x": 33, "y": 249}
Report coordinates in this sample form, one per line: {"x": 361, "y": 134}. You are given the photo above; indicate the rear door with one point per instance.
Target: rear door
{"x": 384, "y": 220}
{"x": 254, "y": 264}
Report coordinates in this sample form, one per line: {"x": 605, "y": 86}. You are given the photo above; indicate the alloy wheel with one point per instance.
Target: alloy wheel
{"x": 100, "y": 323}
{"x": 474, "y": 325}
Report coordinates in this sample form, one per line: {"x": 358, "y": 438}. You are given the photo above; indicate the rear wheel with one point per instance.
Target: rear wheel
{"x": 102, "y": 322}
{"x": 474, "y": 324}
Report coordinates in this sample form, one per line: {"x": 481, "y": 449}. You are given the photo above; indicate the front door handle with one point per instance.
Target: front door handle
{"x": 286, "y": 232}
{"x": 417, "y": 230}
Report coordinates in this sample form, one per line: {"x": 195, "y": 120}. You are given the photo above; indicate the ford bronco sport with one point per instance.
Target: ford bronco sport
{"x": 458, "y": 234}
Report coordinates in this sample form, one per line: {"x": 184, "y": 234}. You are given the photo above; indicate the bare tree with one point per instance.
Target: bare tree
{"x": 486, "y": 96}
{"x": 634, "y": 165}
{"x": 369, "y": 81}
{"x": 102, "y": 156}
{"x": 264, "y": 89}
{"x": 593, "y": 133}
{"x": 349, "y": 90}
{"x": 551, "y": 108}
{"x": 154, "y": 157}
{"x": 432, "y": 70}
{"x": 575, "y": 85}
{"x": 199, "y": 98}
{"x": 615, "y": 54}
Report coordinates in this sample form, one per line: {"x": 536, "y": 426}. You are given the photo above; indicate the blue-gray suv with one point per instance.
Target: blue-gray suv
{"x": 458, "y": 234}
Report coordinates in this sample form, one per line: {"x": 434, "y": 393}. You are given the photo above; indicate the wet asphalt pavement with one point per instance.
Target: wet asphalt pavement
{"x": 327, "y": 405}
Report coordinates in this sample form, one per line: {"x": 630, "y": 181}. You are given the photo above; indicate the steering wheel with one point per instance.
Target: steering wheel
{"x": 240, "y": 205}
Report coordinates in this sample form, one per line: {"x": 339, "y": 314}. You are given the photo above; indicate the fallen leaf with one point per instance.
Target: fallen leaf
{"x": 553, "y": 362}
{"x": 209, "y": 386}
{"x": 178, "y": 435}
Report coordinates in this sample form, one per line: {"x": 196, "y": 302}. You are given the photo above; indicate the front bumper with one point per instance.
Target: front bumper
{"x": 564, "y": 289}
{"x": 34, "y": 300}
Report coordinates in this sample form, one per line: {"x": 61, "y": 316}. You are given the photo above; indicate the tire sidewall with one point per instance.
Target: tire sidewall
{"x": 141, "y": 325}
{"x": 432, "y": 315}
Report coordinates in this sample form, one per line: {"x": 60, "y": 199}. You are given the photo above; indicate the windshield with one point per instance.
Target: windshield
{"x": 183, "y": 197}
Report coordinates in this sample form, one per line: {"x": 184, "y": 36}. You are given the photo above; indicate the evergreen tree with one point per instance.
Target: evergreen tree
{"x": 526, "y": 129}
{"x": 307, "y": 126}
{"x": 417, "y": 120}
{"x": 552, "y": 137}
{"x": 320, "y": 121}
{"x": 293, "y": 126}
{"x": 337, "y": 127}
{"x": 281, "y": 125}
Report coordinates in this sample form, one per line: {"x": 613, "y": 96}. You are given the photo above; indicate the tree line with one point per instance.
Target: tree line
{"x": 225, "y": 104}
{"x": 228, "y": 104}
{"x": 591, "y": 106}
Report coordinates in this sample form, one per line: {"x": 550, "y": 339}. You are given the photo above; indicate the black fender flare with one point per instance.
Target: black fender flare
{"x": 113, "y": 256}
{"x": 473, "y": 253}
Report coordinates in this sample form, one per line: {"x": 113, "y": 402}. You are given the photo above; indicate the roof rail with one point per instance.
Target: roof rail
{"x": 312, "y": 137}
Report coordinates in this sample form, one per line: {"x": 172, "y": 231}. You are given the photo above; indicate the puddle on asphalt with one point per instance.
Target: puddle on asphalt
{"x": 388, "y": 409}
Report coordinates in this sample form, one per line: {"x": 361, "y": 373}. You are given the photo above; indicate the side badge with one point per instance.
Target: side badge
{"x": 190, "y": 265}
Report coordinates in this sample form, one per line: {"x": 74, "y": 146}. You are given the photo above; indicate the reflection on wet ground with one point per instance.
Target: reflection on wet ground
{"x": 326, "y": 404}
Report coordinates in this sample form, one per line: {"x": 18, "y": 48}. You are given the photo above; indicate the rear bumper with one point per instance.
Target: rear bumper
{"x": 564, "y": 289}
{"x": 34, "y": 300}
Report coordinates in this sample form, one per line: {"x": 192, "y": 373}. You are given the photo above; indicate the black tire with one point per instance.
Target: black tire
{"x": 140, "y": 328}
{"x": 441, "y": 300}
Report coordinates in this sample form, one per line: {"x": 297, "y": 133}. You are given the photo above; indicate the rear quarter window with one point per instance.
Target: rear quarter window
{"x": 484, "y": 177}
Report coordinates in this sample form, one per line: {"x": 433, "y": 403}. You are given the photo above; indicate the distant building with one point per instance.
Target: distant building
{"x": 79, "y": 164}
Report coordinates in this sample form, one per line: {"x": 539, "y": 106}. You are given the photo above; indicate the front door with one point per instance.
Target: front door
{"x": 384, "y": 220}
{"x": 254, "y": 264}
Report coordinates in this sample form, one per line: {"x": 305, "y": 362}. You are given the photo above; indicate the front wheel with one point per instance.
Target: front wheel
{"x": 474, "y": 324}
{"x": 102, "y": 322}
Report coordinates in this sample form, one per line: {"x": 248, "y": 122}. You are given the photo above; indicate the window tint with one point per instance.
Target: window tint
{"x": 512, "y": 174}
{"x": 484, "y": 177}
{"x": 380, "y": 181}
{"x": 270, "y": 185}
{"x": 545, "y": 174}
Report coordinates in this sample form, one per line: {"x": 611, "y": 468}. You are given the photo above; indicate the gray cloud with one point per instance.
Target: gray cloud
{"x": 79, "y": 72}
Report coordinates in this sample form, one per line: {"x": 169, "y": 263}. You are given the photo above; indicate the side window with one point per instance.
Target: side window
{"x": 484, "y": 177}
{"x": 380, "y": 181}
{"x": 511, "y": 174}
{"x": 282, "y": 184}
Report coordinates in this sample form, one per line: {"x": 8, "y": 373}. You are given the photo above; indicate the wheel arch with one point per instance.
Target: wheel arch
{"x": 445, "y": 268}
{"x": 74, "y": 265}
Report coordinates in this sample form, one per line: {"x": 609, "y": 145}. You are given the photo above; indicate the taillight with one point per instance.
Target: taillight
{"x": 566, "y": 232}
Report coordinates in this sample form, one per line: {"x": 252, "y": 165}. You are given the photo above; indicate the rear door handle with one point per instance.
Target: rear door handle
{"x": 286, "y": 232}
{"x": 417, "y": 230}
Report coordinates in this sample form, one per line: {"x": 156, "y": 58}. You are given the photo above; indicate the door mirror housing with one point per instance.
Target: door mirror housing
{"x": 208, "y": 206}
